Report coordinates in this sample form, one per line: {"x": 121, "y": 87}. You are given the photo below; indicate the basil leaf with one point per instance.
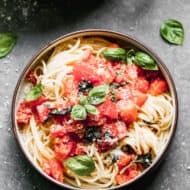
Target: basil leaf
{"x": 83, "y": 99}
{"x": 145, "y": 61}
{"x": 7, "y": 42}
{"x": 62, "y": 112}
{"x": 80, "y": 165}
{"x": 85, "y": 86}
{"x": 172, "y": 31}
{"x": 98, "y": 94}
{"x": 78, "y": 112}
{"x": 34, "y": 93}
{"x": 130, "y": 56}
{"x": 91, "y": 109}
{"x": 114, "y": 54}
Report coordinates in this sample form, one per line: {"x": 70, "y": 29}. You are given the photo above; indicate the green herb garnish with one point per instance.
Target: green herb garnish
{"x": 80, "y": 165}
{"x": 172, "y": 31}
{"x": 7, "y": 42}
{"x": 34, "y": 93}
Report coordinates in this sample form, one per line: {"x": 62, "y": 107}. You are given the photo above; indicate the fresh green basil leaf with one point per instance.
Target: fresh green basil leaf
{"x": 145, "y": 61}
{"x": 91, "y": 109}
{"x": 114, "y": 54}
{"x": 130, "y": 56}
{"x": 172, "y": 31}
{"x": 80, "y": 165}
{"x": 7, "y": 42}
{"x": 34, "y": 93}
{"x": 83, "y": 99}
{"x": 62, "y": 112}
{"x": 78, "y": 112}
{"x": 98, "y": 94}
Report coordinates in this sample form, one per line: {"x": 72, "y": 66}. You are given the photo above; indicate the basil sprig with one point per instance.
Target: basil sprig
{"x": 7, "y": 42}
{"x": 140, "y": 58}
{"x": 145, "y": 61}
{"x": 91, "y": 109}
{"x": 78, "y": 112}
{"x": 114, "y": 54}
{"x": 34, "y": 93}
{"x": 80, "y": 165}
{"x": 172, "y": 31}
{"x": 98, "y": 94}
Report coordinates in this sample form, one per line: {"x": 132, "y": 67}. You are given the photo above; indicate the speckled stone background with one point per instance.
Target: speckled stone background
{"x": 39, "y": 21}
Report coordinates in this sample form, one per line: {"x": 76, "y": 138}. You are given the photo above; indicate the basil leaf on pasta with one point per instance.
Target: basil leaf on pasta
{"x": 145, "y": 61}
{"x": 81, "y": 165}
{"x": 98, "y": 94}
{"x": 7, "y": 42}
{"x": 78, "y": 112}
{"x": 34, "y": 93}
{"x": 114, "y": 54}
{"x": 91, "y": 109}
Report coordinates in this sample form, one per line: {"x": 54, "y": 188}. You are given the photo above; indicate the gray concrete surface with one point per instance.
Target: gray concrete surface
{"x": 39, "y": 21}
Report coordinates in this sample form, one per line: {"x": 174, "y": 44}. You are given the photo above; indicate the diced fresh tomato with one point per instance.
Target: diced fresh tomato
{"x": 139, "y": 98}
{"x": 124, "y": 93}
{"x": 53, "y": 168}
{"x": 57, "y": 131}
{"x": 123, "y": 178}
{"x": 141, "y": 84}
{"x": 64, "y": 147}
{"x": 31, "y": 77}
{"x": 80, "y": 149}
{"x": 124, "y": 160}
{"x": 121, "y": 129}
{"x": 114, "y": 45}
{"x": 43, "y": 112}
{"x": 24, "y": 113}
{"x": 37, "y": 102}
{"x": 133, "y": 71}
{"x": 127, "y": 110}
{"x": 158, "y": 86}
{"x": 108, "y": 109}
{"x": 84, "y": 71}
{"x": 110, "y": 128}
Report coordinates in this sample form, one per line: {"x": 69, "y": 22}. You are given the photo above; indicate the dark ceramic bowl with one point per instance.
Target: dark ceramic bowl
{"x": 115, "y": 37}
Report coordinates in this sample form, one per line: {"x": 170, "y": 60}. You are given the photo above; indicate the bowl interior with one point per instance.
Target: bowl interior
{"x": 124, "y": 40}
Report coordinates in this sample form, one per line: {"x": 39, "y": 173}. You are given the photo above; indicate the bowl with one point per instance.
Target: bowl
{"x": 116, "y": 37}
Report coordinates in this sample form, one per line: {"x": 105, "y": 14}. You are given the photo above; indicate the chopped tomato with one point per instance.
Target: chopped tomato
{"x": 139, "y": 98}
{"x": 127, "y": 110}
{"x": 84, "y": 71}
{"x": 80, "y": 149}
{"x": 133, "y": 71}
{"x": 110, "y": 128}
{"x": 64, "y": 147}
{"x": 123, "y": 178}
{"x": 37, "y": 102}
{"x": 53, "y": 168}
{"x": 108, "y": 109}
{"x": 124, "y": 93}
{"x": 57, "y": 131}
{"x": 24, "y": 113}
{"x": 43, "y": 112}
{"x": 121, "y": 129}
{"x": 114, "y": 45}
{"x": 31, "y": 77}
{"x": 141, "y": 84}
{"x": 158, "y": 86}
{"x": 124, "y": 160}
